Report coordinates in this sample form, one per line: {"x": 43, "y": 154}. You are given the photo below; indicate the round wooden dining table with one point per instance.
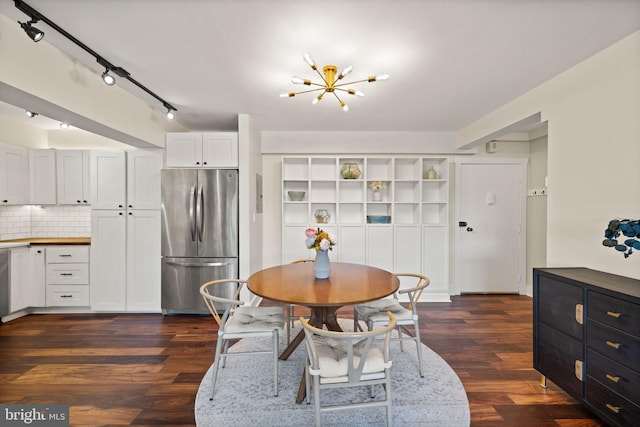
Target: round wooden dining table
{"x": 347, "y": 284}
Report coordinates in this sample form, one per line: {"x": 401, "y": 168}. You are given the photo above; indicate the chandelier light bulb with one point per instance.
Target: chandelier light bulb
{"x": 310, "y": 61}
{"x": 382, "y": 77}
{"x": 344, "y": 106}
{"x": 345, "y": 72}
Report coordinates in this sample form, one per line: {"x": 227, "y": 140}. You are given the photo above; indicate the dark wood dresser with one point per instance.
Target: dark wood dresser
{"x": 586, "y": 339}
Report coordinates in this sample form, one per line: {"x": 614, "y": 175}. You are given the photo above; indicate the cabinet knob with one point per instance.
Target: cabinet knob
{"x": 38, "y": 251}
{"x": 120, "y": 206}
{"x": 119, "y": 213}
{"x": 130, "y": 206}
{"x": 84, "y": 201}
{"x": 197, "y": 163}
{"x": 5, "y": 201}
{"x": 79, "y": 201}
{"x": 130, "y": 213}
{"x": 204, "y": 163}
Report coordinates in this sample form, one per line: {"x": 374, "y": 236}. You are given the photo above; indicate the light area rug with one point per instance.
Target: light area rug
{"x": 244, "y": 393}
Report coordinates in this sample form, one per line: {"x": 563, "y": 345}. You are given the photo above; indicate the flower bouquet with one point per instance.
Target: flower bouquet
{"x": 319, "y": 239}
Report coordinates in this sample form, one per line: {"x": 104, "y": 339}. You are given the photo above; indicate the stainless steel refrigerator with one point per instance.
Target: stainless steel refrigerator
{"x": 199, "y": 235}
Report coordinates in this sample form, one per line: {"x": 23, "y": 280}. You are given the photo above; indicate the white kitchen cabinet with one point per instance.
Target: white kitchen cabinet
{"x": 108, "y": 179}
{"x": 143, "y": 179}
{"x": 14, "y": 175}
{"x": 108, "y": 260}
{"x": 201, "y": 150}
{"x": 125, "y": 260}
{"x": 143, "y": 261}
{"x": 37, "y": 255}
{"x": 72, "y": 173}
{"x": 42, "y": 177}
{"x": 67, "y": 276}
{"x": 352, "y": 239}
{"x": 20, "y": 279}
{"x": 408, "y": 248}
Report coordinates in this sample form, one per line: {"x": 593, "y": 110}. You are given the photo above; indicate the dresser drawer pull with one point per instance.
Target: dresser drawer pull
{"x": 66, "y": 274}
{"x": 613, "y": 378}
{"x": 64, "y": 255}
{"x": 66, "y": 296}
{"x": 612, "y": 408}
{"x": 613, "y": 344}
{"x": 613, "y": 314}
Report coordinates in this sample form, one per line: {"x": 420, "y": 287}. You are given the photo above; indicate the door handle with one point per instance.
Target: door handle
{"x": 200, "y": 211}
{"x": 469, "y": 229}
{"x": 192, "y": 213}
{"x": 198, "y": 264}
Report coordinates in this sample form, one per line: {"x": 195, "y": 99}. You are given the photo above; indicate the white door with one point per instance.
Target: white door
{"x": 490, "y": 225}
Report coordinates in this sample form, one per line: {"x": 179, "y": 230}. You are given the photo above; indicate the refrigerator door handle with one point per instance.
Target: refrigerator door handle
{"x": 200, "y": 211}
{"x": 192, "y": 213}
{"x": 199, "y": 264}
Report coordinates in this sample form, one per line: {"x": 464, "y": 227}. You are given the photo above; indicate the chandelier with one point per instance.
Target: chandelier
{"x": 331, "y": 82}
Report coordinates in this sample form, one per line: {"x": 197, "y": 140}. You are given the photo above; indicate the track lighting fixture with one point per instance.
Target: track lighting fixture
{"x": 170, "y": 110}
{"x": 64, "y": 125}
{"x": 36, "y": 35}
{"x": 30, "y": 114}
{"x": 107, "y": 78}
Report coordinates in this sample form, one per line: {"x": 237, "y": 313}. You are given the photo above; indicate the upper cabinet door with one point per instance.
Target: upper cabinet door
{"x": 108, "y": 180}
{"x": 42, "y": 182}
{"x": 184, "y": 150}
{"x": 14, "y": 175}
{"x": 143, "y": 179}
{"x": 72, "y": 167}
{"x": 220, "y": 150}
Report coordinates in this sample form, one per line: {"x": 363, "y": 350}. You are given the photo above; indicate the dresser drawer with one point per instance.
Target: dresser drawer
{"x": 615, "y": 312}
{"x": 614, "y": 376}
{"x": 616, "y": 408}
{"x": 557, "y": 305}
{"x": 67, "y": 274}
{"x": 68, "y": 253}
{"x": 614, "y": 344}
{"x": 67, "y": 295}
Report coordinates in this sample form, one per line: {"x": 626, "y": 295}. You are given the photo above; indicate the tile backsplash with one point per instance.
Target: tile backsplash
{"x": 17, "y": 222}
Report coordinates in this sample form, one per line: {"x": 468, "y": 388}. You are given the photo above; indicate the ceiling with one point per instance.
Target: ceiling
{"x": 450, "y": 62}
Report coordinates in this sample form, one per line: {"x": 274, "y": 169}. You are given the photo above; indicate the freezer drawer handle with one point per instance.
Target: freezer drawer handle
{"x": 199, "y": 264}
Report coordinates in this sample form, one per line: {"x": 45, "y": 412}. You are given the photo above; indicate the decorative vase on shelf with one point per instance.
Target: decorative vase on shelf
{"x": 431, "y": 173}
{"x": 322, "y": 265}
{"x": 376, "y": 196}
{"x": 350, "y": 171}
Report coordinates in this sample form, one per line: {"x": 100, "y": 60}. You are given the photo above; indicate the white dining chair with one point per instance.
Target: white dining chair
{"x": 374, "y": 312}
{"x": 348, "y": 359}
{"x": 241, "y": 321}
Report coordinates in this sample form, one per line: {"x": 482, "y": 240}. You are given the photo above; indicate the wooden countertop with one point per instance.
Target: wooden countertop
{"x": 52, "y": 240}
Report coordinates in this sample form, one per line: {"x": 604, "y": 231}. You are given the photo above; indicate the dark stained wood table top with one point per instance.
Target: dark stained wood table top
{"x": 347, "y": 284}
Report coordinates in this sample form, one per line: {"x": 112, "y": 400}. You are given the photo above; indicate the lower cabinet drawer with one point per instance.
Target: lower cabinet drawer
{"x": 67, "y": 274}
{"x": 613, "y": 375}
{"x": 616, "y": 409}
{"x": 614, "y": 344}
{"x": 557, "y": 356}
{"x": 67, "y": 296}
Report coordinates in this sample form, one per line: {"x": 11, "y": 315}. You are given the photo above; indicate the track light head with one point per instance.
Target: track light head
{"x": 34, "y": 33}
{"x": 170, "y": 114}
{"x": 30, "y": 114}
{"x": 65, "y": 125}
{"x": 107, "y": 78}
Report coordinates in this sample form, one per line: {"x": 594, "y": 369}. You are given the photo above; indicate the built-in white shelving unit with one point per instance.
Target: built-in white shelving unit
{"x": 414, "y": 240}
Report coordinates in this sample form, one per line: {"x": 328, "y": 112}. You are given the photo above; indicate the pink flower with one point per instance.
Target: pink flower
{"x": 311, "y": 232}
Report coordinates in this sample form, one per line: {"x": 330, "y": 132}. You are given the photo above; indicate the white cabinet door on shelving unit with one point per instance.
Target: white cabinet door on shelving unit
{"x": 143, "y": 179}
{"x": 435, "y": 256}
{"x": 143, "y": 261}
{"x": 380, "y": 246}
{"x": 351, "y": 239}
{"x": 42, "y": 177}
{"x": 183, "y": 150}
{"x": 72, "y": 177}
{"x": 293, "y": 244}
{"x": 220, "y": 150}
{"x": 14, "y": 175}
{"x": 108, "y": 180}
{"x": 407, "y": 249}
{"x": 108, "y": 260}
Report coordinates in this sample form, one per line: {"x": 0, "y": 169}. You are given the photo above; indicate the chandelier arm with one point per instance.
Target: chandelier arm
{"x": 337, "y": 97}
{"x": 326, "y": 84}
{"x": 310, "y": 90}
{"x": 350, "y": 83}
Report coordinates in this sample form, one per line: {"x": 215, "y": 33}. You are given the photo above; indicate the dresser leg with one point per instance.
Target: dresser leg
{"x": 543, "y": 381}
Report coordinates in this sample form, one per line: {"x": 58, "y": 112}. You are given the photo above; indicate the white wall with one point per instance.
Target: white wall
{"x": 592, "y": 111}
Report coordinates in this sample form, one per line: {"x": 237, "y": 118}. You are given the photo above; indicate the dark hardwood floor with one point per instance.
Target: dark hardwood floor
{"x": 131, "y": 369}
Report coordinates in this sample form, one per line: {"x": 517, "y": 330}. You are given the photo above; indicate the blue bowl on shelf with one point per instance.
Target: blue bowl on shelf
{"x": 378, "y": 219}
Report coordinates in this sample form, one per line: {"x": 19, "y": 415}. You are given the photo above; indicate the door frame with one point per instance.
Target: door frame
{"x": 521, "y": 206}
